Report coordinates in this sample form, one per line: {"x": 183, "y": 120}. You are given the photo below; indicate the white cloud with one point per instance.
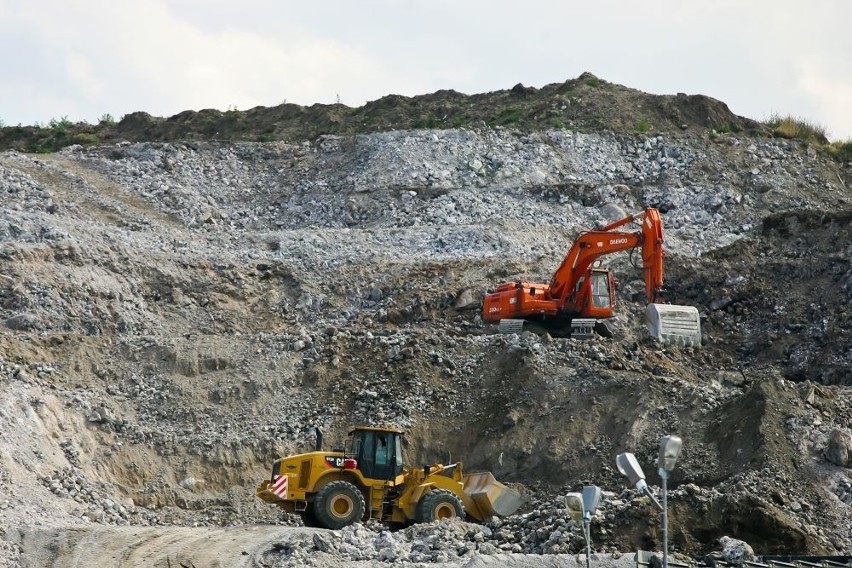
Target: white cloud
{"x": 89, "y": 57}
{"x": 832, "y": 95}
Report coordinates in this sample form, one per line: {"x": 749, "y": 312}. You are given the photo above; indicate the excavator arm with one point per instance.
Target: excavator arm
{"x": 604, "y": 240}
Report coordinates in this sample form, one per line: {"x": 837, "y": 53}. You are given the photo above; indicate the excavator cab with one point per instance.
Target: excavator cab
{"x": 596, "y": 293}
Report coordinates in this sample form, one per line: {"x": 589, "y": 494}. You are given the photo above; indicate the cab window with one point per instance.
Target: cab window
{"x": 382, "y": 450}
{"x": 600, "y": 290}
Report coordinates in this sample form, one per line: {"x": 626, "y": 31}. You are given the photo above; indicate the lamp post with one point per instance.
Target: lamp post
{"x": 591, "y": 498}
{"x": 669, "y": 451}
{"x": 630, "y": 468}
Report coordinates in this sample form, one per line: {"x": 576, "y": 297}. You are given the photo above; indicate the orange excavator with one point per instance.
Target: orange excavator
{"x": 580, "y": 292}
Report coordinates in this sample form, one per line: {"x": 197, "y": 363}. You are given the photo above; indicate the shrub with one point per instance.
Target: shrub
{"x": 85, "y": 139}
{"x": 60, "y": 124}
{"x": 106, "y": 119}
{"x": 643, "y": 125}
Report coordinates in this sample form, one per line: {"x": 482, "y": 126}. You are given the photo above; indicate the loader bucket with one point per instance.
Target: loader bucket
{"x": 492, "y": 497}
{"x": 674, "y": 324}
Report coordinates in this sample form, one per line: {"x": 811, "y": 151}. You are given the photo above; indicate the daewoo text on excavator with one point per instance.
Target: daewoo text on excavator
{"x": 580, "y": 293}
{"x": 367, "y": 479}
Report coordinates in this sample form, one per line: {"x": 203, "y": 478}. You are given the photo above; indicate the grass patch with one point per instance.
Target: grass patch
{"x": 426, "y": 122}
{"x": 795, "y": 128}
{"x": 840, "y": 151}
{"x": 85, "y": 139}
{"x": 593, "y": 82}
{"x": 510, "y": 115}
{"x": 643, "y": 125}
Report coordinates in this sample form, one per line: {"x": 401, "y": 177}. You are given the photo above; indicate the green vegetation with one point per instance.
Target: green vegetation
{"x": 426, "y": 122}
{"x": 643, "y": 125}
{"x": 733, "y": 128}
{"x": 106, "y": 119}
{"x": 60, "y": 127}
{"x": 796, "y": 128}
{"x": 593, "y": 82}
{"x": 509, "y": 115}
{"x": 840, "y": 151}
{"x": 85, "y": 139}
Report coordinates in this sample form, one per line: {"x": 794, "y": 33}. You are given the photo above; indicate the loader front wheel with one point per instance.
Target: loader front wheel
{"x": 309, "y": 517}
{"x": 438, "y": 504}
{"x": 338, "y": 504}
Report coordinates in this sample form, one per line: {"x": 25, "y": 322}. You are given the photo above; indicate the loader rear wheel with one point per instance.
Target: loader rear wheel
{"x": 438, "y": 504}
{"x": 338, "y": 504}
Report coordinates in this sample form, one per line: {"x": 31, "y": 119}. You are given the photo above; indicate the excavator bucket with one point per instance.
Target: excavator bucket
{"x": 674, "y": 324}
{"x": 492, "y": 497}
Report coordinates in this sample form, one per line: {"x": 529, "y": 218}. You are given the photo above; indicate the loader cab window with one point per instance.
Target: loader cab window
{"x": 398, "y": 465}
{"x": 600, "y": 289}
{"x": 382, "y": 450}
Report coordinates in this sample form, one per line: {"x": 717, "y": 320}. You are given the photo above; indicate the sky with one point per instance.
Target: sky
{"x": 84, "y": 59}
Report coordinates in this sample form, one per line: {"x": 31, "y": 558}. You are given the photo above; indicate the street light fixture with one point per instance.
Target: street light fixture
{"x": 669, "y": 452}
{"x": 630, "y": 468}
{"x": 591, "y": 498}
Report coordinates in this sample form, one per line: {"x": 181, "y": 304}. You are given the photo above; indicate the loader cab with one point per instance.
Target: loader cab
{"x": 378, "y": 452}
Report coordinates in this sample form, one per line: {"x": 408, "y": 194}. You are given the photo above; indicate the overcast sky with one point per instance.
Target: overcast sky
{"x": 82, "y": 59}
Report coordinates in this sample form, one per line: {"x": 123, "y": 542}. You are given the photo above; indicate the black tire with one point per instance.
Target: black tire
{"x": 338, "y": 504}
{"x": 438, "y": 504}
{"x": 309, "y": 517}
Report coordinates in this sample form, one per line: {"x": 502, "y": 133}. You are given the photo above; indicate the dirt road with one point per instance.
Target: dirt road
{"x": 234, "y": 547}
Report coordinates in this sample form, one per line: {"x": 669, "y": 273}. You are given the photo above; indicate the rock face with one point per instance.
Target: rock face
{"x": 177, "y": 314}
{"x": 839, "y": 451}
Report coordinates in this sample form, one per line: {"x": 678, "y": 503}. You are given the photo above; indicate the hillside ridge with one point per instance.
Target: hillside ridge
{"x": 586, "y": 103}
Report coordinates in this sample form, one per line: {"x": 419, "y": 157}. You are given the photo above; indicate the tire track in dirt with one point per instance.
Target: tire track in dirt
{"x": 106, "y": 201}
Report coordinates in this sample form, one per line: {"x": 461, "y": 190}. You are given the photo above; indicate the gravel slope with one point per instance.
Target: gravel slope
{"x": 174, "y": 315}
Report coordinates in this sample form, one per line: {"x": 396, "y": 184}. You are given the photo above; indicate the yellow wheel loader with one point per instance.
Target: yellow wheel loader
{"x": 368, "y": 480}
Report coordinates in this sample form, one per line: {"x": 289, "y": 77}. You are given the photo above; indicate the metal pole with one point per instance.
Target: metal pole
{"x": 588, "y": 533}
{"x": 665, "y": 522}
